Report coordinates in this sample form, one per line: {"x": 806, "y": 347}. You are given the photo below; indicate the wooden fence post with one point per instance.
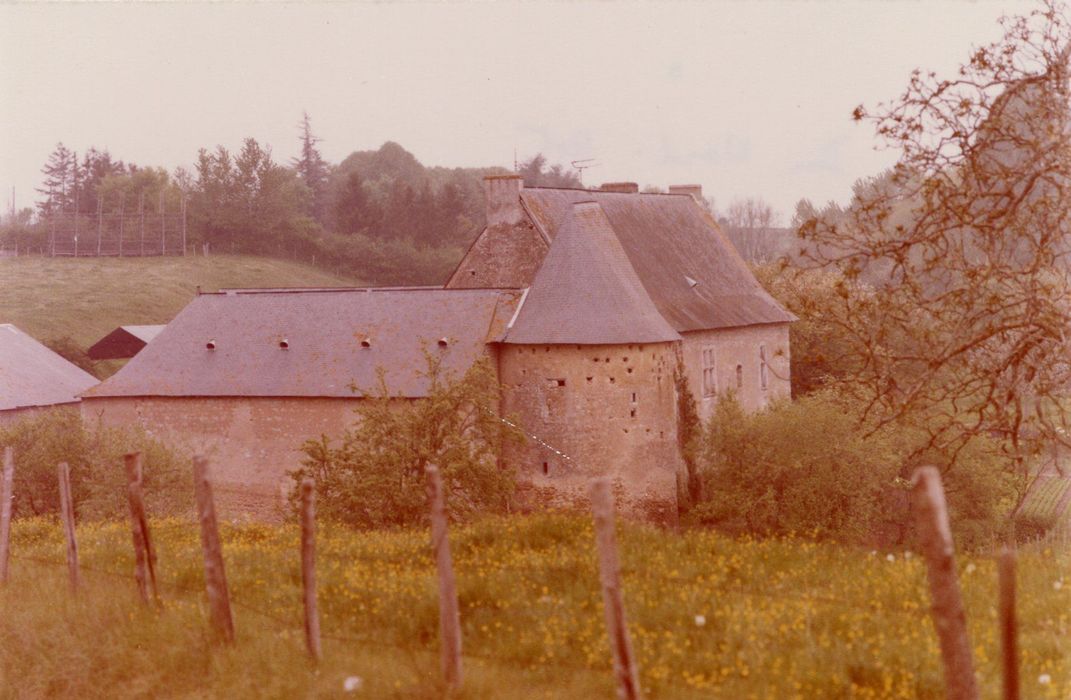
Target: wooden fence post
{"x": 219, "y": 601}
{"x": 1009, "y": 630}
{"x": 5, "y": 512}
{"x": 67, "y": 515}
{"x": 449, "y": 613}
{"x": 949, "y": 619}
{"x": 625, "y": 671}
{"x": 144, "y": 554}
{"x": 308, "y": 568}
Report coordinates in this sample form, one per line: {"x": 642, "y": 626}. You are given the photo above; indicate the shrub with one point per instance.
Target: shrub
{"x": 95, "y": 456}
{"x": 815, "y": 468}
{"x": 375, "y": 477}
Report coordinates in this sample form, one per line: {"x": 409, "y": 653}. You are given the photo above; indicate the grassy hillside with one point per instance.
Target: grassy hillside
{"x": 85, "y": 298}
{"x": 710, "y": 616}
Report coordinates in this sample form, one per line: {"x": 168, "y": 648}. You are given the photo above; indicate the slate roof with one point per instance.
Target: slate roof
{"x": 123, "y": 342}
{"x": 324, "y": 330}
{"x": 586, "y": 291}
{"x": 671, "y": 242}
{"x": 33, "y": 375}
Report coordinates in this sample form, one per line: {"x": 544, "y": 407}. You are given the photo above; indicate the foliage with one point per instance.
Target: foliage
{"x": 67, "y": 348}
{"x": 965, "y": 246}
{"x": 95, "y": 456}
{"x": 535, "y": 173}
{"x": 689, "y": 436}
{"x": 375, "y": 477}
{"x": 844, "y": 622}
{"x": 811, "y": 468}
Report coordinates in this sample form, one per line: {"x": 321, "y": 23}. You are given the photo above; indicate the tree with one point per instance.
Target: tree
{"x": 313, "y": 170}
{"x": 354, "y": 209}
{"x": 750, "y": 221}
{"x": 58, "y": 184}
{"x": 536, "y": 174}
{"x": 375, "y": 477}
{"x": 964, "y": 332}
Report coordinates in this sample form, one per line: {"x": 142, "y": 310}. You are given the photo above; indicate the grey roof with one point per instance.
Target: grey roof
{"x": 669, "y": 239}
{"x": 324, "y": 330}
{"x": 33, "y": 375}
{"x": 123, "y": 342}
{"x": 586, "y": 291}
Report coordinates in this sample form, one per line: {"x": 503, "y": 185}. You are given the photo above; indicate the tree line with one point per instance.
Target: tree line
{"x": 380, "y": 216}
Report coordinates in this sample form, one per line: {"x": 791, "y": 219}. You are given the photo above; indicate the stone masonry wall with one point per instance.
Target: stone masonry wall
{"x": 739, "y": 347}
{"x": 611, "y": 408}
{"x": 251, "y": 442}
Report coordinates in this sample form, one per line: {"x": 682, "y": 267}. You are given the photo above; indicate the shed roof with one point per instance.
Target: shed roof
{"x": 123, "y": 342}
{"x": 323, "y": 330}
{"x": 33, "y": 375}
{"x": 586, "y": 291}
{"x": 693, "y": 274}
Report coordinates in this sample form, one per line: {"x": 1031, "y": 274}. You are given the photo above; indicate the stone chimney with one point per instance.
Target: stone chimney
{"x": 695, "y": 190}
{"x": 503, "y": 195}
{"x": 626, "y": 187}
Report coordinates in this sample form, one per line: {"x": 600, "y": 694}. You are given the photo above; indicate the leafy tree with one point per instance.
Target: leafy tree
{"x": 375, "y": 476}
{"x": 536, "y": 174}
{"x": 354, "y": 209}
{"x": 965, "y": 243}
{"x": 750, "y": 222}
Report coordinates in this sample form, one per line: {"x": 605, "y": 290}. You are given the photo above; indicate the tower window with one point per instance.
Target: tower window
{"x": 739, "y": 376}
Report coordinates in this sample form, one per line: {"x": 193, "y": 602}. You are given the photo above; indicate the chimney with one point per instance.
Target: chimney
{"x": 503, "y": 195}
{"x": 625, "y": 187}
{"x": 695, "y": 190}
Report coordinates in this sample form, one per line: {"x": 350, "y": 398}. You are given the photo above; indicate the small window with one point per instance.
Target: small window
{"x": 710, "y": 376}
{"x": 739, "y": 376}
{"x": 546, "y": 469}
{"x": 763, "y": 379}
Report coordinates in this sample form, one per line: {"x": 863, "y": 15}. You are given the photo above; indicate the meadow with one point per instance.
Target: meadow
{"x": 710, "y": 616}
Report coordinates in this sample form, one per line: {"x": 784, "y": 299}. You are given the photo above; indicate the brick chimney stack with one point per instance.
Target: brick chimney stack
{"x": 503, "y": 195}
{"x": 625, "y": 187}
{"x": 695, "y": 190}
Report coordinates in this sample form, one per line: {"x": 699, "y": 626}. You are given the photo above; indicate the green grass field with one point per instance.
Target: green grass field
{"x": 709, "y": 616}
{"x": 86, "y": 298}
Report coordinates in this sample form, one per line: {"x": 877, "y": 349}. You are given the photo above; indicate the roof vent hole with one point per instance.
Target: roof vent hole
{"x": 366, "y": 343}
{"x": 211, "y": 345}
{"x": 284, "y": 344}
{"x": 443, "y": 342}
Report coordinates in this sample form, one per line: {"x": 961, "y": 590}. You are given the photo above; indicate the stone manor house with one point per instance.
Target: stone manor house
{"x": 586, "y": 302}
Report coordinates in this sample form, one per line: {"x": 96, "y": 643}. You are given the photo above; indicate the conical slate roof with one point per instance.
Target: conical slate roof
{"x": 587, "y": 292}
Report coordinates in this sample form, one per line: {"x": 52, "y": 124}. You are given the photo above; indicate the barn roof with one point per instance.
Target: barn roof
{"x": 324, "y": 332}
{"x": 586, "y": 291}
{"x": 691, "y": 271}
{"x": 123, "y": 342}
{"x": 33, "y": 375}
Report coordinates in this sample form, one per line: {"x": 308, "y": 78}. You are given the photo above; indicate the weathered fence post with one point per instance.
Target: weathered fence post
{"x": 67, "y": 515}
{"x": 949, "y": 619}
{"x": 5, "y": 512}
{"x": 449, "y": 613}
{"x": 219, "y": 601}
{"x": 1009, "y": 629}
{"x": 625, "y": 671}
{"x": 308, "y": 568}
{"x": 144, "y": 554}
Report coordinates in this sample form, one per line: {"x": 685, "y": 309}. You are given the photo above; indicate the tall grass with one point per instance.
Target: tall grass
{"x": 710, "y": 616}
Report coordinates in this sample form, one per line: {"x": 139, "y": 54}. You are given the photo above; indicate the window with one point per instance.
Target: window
{"x": 710, "y": 376}
{"x": 739, "y": 376}
{"x": 763, "y": 380}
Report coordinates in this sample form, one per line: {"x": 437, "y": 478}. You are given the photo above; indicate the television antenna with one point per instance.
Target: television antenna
{"x": 580, "y": 167}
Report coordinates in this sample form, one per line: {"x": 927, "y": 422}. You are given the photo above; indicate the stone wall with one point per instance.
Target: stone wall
{"x": 610, "y": 408}
{"x": 251, "y": 442}
{"x": 739, "y": 347}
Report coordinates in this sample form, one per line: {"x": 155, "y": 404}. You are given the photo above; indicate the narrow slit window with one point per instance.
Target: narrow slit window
{"x": 763, "y": 379}
{"x": 739, "y": 376}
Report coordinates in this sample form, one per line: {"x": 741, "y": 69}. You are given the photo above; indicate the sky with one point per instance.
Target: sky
{"x": 746, "y": 99}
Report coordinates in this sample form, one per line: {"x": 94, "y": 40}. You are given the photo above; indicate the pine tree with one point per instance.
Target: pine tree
{"x": 57, "y": 186}
{"x": 312, "y": 169}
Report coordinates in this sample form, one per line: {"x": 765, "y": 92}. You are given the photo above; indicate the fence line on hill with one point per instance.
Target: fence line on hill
{"x": 947, "y": 611}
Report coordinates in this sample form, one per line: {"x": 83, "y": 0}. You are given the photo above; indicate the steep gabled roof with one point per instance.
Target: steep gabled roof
{"x": 123, "y": 342}
{"x": 323, "y": 331}
{"x": 33, "y": 375}
{"x": 690, "y": 270}
{"x": 586, "y": 291}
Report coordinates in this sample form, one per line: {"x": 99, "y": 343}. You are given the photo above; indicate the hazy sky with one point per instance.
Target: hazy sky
{"x": 747, "y": 99}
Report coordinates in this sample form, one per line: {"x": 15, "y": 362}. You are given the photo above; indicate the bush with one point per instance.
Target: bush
{"x": 375, "y": 477}
{"x": 814, "y": 468}
{"x": 95, "y": 456}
